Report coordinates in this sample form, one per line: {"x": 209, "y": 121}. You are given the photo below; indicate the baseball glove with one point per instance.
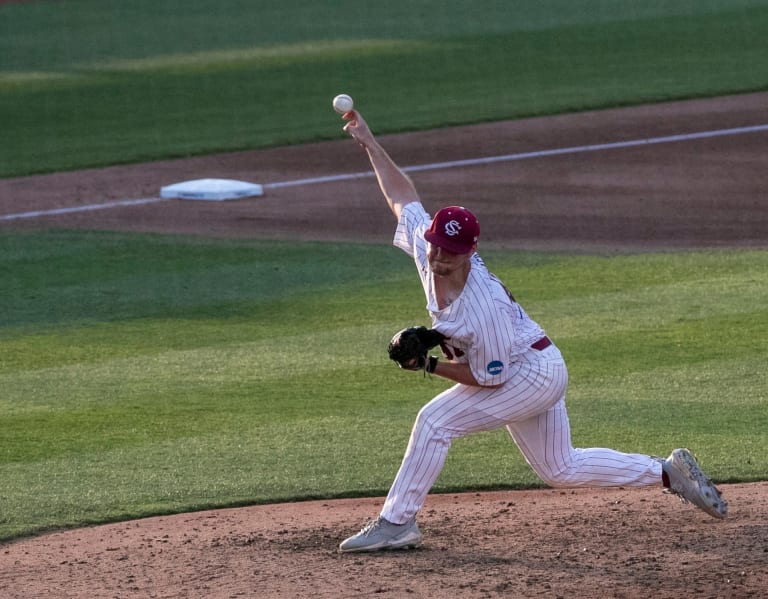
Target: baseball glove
{"x": 409, "y": 347}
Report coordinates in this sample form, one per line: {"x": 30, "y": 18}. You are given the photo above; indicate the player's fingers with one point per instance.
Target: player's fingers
{"x": 352, "y": 129}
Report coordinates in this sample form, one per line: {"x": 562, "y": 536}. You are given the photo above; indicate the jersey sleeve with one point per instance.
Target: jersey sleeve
{"x": 409, "y": 235}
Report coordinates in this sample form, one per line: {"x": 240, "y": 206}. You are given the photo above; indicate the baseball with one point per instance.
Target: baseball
{"x": 343, "y": 103}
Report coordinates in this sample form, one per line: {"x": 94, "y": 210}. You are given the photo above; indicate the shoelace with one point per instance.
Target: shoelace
{"x": 371, "y": 526}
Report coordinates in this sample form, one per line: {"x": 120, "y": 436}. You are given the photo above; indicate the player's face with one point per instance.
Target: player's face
{"x": 442, "y": 262}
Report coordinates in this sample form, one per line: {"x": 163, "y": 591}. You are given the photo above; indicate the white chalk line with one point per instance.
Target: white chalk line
{"x": 536, "y": 154}
{"x": 85, "y": 208}
{"x": 424, "y": 167}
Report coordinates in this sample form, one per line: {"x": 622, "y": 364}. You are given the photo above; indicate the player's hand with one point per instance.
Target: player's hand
{"x": 357, "y": 128}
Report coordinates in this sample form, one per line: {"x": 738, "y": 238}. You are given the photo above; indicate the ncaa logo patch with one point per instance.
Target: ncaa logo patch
{"x": 494, "y": 368}
{"x": 452, "y": 228}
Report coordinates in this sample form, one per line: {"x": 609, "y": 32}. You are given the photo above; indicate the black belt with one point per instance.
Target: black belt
{"x": 541, "y": 344}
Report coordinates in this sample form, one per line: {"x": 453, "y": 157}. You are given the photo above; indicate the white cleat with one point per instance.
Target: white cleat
{"x": 687, "y": 481}
{"x": 382, "y": 534}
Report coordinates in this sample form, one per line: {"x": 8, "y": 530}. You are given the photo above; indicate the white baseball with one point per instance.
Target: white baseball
{"x": 343, "y": 103}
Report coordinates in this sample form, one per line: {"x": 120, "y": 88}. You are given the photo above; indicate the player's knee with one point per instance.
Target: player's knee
{"x": 427, "y": 419}
{"x": 430, "y": 422}
{"x": 555, "y": 475}
{"x": 547, "y": 476}
{"x": 558, "y": 481}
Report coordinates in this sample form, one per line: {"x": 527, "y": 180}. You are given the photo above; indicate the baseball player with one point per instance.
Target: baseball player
{"x": 506, "y": 370}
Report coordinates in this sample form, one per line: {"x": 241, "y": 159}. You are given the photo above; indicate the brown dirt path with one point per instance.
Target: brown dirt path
{"x": 706, "y": 192}
{"x": 587, "y": 543}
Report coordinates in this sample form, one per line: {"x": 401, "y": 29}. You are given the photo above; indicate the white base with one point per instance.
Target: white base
{"x": 214, "y": 190}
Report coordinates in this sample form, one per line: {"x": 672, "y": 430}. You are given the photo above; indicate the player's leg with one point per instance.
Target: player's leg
{"x": 545, "y": 441}
{"x": 535, "y": 384}
{"x": 424, "y": 458}
{"x": 431, "y": 437}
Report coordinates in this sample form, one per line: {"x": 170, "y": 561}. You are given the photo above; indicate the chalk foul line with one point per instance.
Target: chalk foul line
{"x": 84, "y": 208}
{"x": 422, "y": 167}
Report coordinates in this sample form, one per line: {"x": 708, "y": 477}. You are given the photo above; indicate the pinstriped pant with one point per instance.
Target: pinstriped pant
{"x": 531, "y": 404}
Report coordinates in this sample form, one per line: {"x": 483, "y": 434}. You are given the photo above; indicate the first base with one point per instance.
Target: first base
{"x": 212, "y": 190}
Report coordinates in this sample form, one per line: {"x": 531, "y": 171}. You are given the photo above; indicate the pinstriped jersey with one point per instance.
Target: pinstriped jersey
{"x": 485, "y": 326}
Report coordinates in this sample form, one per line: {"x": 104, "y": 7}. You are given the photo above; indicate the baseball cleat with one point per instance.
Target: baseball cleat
{"x": 687, "y": 481}
{"x": 381, "y": 534}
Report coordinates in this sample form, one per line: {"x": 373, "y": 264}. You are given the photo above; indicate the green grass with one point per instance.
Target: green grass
{"x": 147, "y": 374}
{"x": 86, "y": 83}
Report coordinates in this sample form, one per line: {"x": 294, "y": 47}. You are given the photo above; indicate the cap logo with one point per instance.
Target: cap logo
{"x": 452, "y": 228}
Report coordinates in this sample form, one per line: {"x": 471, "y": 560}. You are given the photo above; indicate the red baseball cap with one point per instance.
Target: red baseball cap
{"x": 454, "y": 229}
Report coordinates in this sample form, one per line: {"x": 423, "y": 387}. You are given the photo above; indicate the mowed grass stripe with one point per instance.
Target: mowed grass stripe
{"x": 134, "y": 105}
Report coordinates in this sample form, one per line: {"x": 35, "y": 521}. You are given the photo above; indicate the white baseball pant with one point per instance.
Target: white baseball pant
{"x": 531, "y": 404}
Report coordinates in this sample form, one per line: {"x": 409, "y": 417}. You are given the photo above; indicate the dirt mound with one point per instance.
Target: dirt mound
{"x": 549, "y": 543}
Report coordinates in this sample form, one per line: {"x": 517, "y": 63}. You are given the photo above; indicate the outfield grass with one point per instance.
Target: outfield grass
{"x": 86, "y": 83}
{"x": 146, "y": 374}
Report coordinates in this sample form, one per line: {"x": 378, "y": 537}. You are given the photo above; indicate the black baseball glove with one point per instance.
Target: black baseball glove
{"x": 409, "y": 347}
